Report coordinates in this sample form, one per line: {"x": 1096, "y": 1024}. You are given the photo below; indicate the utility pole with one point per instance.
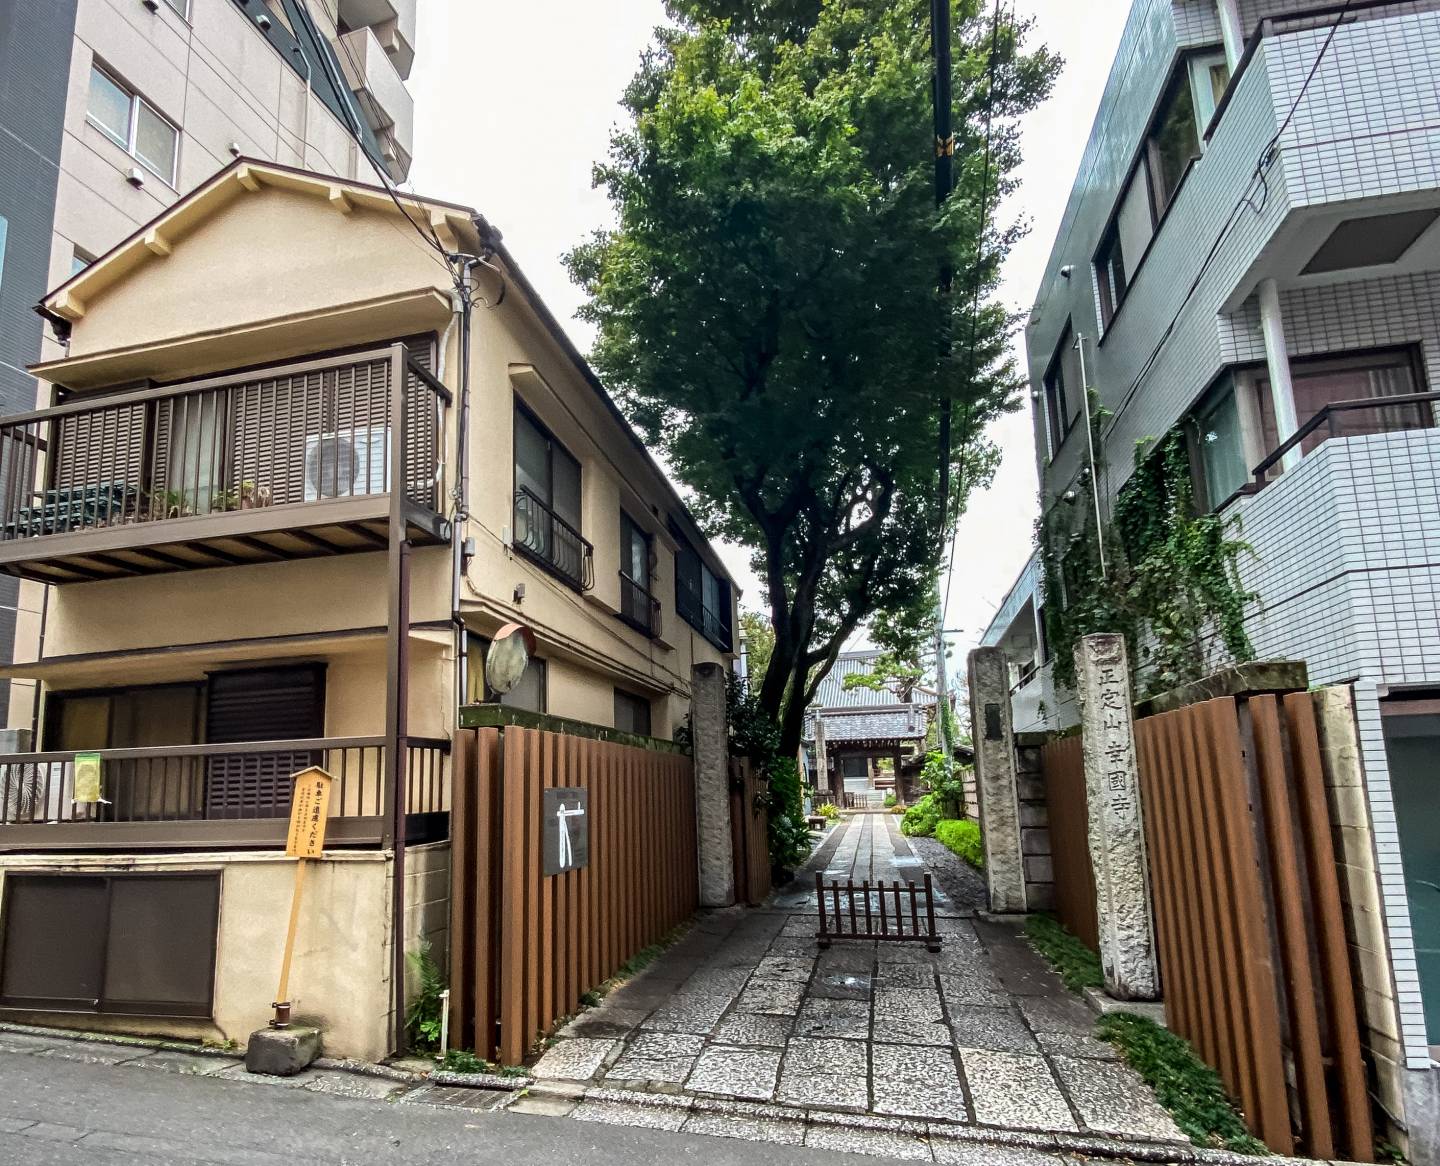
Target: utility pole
{"x": 944, "y": 183}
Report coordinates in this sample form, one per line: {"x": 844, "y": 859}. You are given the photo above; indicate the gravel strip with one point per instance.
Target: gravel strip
{"x": 961, "y": 882}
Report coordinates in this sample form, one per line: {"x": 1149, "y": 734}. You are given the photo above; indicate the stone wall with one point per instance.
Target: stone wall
{"x": 1034, "y": 822}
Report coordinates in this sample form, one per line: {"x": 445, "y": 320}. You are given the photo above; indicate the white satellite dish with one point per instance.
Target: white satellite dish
{"x": 508, "y": 657}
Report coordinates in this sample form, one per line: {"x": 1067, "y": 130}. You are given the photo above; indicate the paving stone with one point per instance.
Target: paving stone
{"x": 174, "y": 1061}
{"x": 911, "y": 1030}
{"x": 1112, "y": 1099}
{"x": 1001, "y": 1029}
{"x": 630, "y": 1114}
{"x": 750, "y": 1129}
{"x": 736, "y": 1072}
{"x": 825, "y": 1090}
{"x": 923, "y": 1002}
{"x": 575, "y": 1059}
{"x": 754, "y": 1029}
{"x": 963, "y": 1152}
{"x": 1063, "y": 1013}
{"x": 917, "y": 1081}
{"x": 849, "y": 1019}
{"x": 840, "y": 985}
{"x": 715, "y": 982}
{"x": 890, "y": 975}
{"x": 1011, "y": 1089}
{"x": 606, "y": 1022}
{"x": 771, "y": 997}
{"x": 665, "y": 1057}
{"x": 1072, "y": 1044}
{"x": 1021, "y": 971}
{"x": 877, "y": 1143}
{"x": 693, "y": 1014}
{"x": 800, "y": 927}
{"x": 906, "y": 953}
{"x": 781, "y": 967}
{"x": 847, "y": 957}
{"x": 973, "y": 987}
{"x": 793, "y": 946}
{"x": 541, "y": 1105}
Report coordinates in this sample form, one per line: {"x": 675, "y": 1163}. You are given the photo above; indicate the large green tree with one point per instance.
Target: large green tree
{"x": 767, "y": 304}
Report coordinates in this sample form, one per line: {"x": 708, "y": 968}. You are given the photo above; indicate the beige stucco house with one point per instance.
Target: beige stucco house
{"x": 240, "y": 523}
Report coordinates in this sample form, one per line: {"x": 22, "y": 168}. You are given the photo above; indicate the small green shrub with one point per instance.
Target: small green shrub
{"x": 1190, "y": 1089}
{"x": 921, "y": 819}
{"x": 1078, "y": 966}
{"x": 422, "y": 1019}
{"x": 890, "y": 800}
{"x": 962, "y": 836}
{"x": 829, "y": 811}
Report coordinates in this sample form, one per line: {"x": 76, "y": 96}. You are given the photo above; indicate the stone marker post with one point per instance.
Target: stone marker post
{"x": 710, "y": 740}
{"x": 994, "y": 738}
{"x": 1117, "y": 824}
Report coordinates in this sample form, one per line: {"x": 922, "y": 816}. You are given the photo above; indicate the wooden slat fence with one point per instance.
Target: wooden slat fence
{"x": 526, "y": 947}
{"x": 749, "y": 833}
{"x": 1248, "y": 916}
{"x": 1068, "y": 815}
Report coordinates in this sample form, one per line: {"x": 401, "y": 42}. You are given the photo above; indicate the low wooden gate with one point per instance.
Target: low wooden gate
{"x": 1248, "y": 916}
{"x": 1068, "y": 816}
{"x": 749, "y": 832}
{"x": 526, "y": 946}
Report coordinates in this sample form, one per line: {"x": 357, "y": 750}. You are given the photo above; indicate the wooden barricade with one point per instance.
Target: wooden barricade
{"x": 525, "y": 946}
{"x": 1068, "y": 816}
{"x": 1248, "y": 916}
{"x": 881, "y": 914}
{"x": 749, "y": 833}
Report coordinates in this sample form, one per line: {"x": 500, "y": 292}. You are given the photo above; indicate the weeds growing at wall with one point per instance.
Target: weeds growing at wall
{"x": 1171, "y": 581}
{"x": 1078, "y": 966}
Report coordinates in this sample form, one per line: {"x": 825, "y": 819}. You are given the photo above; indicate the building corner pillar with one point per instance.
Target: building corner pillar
{"x": 1277, "y": 367}
{"x": 710, "y": 740}
{"x": 1116, "y": 819}
{"x": 999, "y": 800}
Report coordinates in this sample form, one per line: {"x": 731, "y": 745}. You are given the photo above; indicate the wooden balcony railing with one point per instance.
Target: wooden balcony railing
{"x": 639, "y": 608}
{"x": 303, "y": 444}
{"x": 552, "y": 542}
{"x": 210, "y": 795}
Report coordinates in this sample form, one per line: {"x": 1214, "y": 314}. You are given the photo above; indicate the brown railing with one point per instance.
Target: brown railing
{"x": 304, "y": 432}
{"x": 1353, "y": 419}
{"x": 213, "y": 783}
{"x": 552, "y": 542}
{"x": 639, "y": 608}
{"x": 880, "y": 910}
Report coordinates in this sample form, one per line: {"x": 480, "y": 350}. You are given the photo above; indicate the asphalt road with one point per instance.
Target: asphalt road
{"x": 55, "y": 1111}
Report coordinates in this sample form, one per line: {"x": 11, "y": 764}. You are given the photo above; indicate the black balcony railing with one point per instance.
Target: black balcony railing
{"x": 638, "y": 607}
{"x": 552, "y": 542}
{"x": 713, "y": 625}
{"x": 1353, "y": 419}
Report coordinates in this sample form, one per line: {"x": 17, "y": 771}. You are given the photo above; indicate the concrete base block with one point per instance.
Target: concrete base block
{"x": 282, "y": 1052}
{"x": 1150, "y": 1009}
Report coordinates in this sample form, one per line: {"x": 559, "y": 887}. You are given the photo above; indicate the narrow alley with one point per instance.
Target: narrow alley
{"x": 880, "y": 1048}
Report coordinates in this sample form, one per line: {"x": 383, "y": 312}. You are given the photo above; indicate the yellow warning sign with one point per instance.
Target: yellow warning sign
{"x": 309, "y": 806}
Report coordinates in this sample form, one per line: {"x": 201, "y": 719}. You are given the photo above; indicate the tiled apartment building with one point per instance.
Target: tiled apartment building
{"x": 111, "y": 110}
{"x": 1250, "y": 241}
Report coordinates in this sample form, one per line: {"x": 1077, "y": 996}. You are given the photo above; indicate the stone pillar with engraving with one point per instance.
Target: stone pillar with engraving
{"x": 1116, "y": 819}
{"x": 710, "y": 742}
{"x": 994, "y": 738}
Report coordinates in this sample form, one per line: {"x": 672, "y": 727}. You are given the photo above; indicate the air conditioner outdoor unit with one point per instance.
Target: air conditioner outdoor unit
{"x": 348, "y": 463}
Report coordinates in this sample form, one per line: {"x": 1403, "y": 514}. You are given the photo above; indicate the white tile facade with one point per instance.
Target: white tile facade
{"x": 1347, "y": 545}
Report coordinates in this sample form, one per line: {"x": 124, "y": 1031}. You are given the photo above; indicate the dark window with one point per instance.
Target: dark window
{"x": 1110, "y": 270}
{"x": 134, "y": 944}
{"x": 1327, "y": 380}
{"x": 637, "y": 603}
{"x": 1064, "y": 393}
{"x": 1175, "y": 139}
{"x": 260, "y": 704}
{"x": 529, "y": 694}
{"x": 632, "y": 713}
{"x": 702, "y": 598}
{"x": 547, "y": 502}
{"x": 1220, "y": 444}
{"x": 1124, "y": 243}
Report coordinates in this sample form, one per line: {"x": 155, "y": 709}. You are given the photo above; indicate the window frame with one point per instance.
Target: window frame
{"x": 690, "y": 603}
{"x": 478, "y": 646}
{"x": 181, "y": 8}
{"x": 1055, "y": 393}
{"x": 636, "y": 703}
{"x": 132, "y": 124}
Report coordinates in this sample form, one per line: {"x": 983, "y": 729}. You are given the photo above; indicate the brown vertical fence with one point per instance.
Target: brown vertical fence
{"x": 526, "y": 946}
{"x": 1068, "y": 816}
{"x": 749, "y": 833}
{"x": 1247, "y": 910}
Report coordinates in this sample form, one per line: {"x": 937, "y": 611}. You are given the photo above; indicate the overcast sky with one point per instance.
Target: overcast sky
{"x": 514, "y": 102}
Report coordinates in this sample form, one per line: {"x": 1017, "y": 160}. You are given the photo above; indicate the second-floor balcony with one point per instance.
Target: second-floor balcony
{"x": 544, "y": 537}
{"x": 295, "y": 461}
{"x": 638, "y": 607}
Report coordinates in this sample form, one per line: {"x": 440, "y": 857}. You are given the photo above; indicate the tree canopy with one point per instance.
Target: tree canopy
{"x": 767, "y": 303}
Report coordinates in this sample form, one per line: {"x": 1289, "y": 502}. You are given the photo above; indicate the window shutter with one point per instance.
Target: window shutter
{"x": 267, "y": 704}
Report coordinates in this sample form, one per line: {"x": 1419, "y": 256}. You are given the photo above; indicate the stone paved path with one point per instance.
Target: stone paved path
{"x": 746, "y": 1009}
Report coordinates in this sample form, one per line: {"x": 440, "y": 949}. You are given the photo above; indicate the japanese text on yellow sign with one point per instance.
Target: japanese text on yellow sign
{"x": 309, "y": 806}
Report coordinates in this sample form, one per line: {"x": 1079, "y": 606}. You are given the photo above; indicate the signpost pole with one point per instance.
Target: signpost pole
{"x": 282, "y": 994}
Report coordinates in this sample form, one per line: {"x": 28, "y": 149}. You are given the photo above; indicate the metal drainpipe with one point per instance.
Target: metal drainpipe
{"x": 465, "y": 315}
{"x": 1090, "y": 449}
{"x": 1231, "y": 32}
{"x": 1277, "y": 363}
